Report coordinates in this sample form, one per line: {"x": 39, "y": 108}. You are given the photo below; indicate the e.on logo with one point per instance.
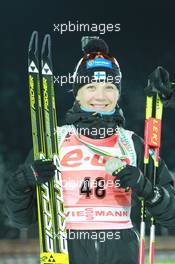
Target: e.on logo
{"x": 79, "y": 158}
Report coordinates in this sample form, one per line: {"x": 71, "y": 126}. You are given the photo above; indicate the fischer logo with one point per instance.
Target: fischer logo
{"x": 47, "y": 215}
{"x": 32, "y": 93}
{"x": 60, "y": 207}
{"x": 46, "y": 102}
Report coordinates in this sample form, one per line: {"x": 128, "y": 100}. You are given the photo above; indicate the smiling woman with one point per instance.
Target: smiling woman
{"x": 98, "y": 96}
{"x": 94, "y": 132}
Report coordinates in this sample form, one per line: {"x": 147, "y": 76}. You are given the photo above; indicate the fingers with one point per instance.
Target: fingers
{"x": 43, "y": 170}
{"x": 44, "y": 166}
{"x": 158, "y": 82}
{"x": 128, "y": 176}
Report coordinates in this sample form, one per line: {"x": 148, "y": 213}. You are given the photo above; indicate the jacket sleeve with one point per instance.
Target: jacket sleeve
{"x": 163, "y": 211}
{"x": 20, "y": 204}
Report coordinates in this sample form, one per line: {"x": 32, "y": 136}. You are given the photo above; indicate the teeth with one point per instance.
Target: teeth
{"x": 101, "y": 106}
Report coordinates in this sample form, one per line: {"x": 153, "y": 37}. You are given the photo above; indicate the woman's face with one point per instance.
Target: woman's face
{"x": 98, "y": 96}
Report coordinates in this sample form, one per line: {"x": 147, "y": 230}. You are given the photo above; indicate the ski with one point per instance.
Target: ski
{"x": 50, "y": 204}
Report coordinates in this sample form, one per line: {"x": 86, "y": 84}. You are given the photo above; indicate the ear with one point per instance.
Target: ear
{"x": 118, "y": 94}
{"x": 77, "y": 97}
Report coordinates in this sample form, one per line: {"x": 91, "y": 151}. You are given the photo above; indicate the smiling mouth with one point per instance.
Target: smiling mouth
{"x": 99, "y": 106}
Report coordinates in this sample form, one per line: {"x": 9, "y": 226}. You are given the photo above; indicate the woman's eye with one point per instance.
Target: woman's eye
{"x": 91, "y": 88}
{"x": 109, "y": 88}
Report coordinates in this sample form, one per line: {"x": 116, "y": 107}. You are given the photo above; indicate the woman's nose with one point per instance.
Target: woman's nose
{"x": 100, "y": 95}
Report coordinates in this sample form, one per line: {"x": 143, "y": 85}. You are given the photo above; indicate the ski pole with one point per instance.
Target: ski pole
{"x": 149, "y": 100}
{"x": 152, "y": 140}
{"x": 156, "y": 141}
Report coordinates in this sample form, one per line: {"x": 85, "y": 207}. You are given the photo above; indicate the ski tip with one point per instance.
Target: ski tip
{"x": 46, "y": 44}
{"x": 33, "y": 41}
{"x": 46, "y": 53}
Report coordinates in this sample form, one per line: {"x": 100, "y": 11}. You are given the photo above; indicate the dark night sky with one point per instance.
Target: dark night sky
{"x": 146, "y": 40}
